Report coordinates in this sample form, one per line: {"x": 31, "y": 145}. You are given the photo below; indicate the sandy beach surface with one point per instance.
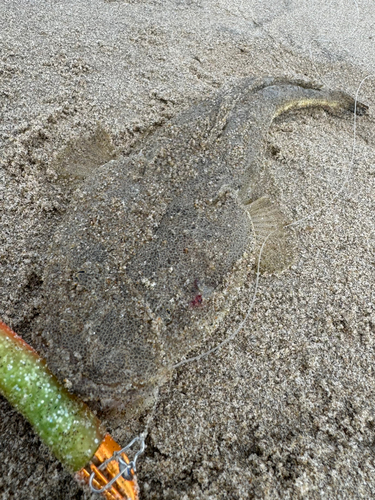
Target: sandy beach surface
{"x": 287, "y": 409}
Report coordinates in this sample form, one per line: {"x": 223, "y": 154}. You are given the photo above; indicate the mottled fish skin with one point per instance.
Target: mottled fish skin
{"x": 154, "y": 246}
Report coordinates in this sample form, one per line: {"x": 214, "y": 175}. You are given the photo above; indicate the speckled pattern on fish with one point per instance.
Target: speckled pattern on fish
{"x": 155, "y": 246}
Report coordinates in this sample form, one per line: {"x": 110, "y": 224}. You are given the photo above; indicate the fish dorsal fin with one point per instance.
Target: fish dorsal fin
{"x": 269, "y": 223}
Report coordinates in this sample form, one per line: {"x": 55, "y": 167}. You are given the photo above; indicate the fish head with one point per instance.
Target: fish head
{"x": 120, "y": 311}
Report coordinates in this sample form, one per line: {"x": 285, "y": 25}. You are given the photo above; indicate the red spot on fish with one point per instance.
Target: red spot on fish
{"x": 197, "y": 301}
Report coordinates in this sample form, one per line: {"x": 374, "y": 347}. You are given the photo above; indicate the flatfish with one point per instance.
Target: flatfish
{"x": 155, "y": 245}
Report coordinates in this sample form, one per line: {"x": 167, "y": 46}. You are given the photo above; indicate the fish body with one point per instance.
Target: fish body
{"x": 154, "y": 246}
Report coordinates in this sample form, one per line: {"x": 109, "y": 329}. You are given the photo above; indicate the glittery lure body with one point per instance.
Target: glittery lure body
{"x": 64, "y": 424}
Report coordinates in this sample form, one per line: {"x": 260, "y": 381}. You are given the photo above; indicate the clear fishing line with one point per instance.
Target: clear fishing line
{"x": 295, "y": 223}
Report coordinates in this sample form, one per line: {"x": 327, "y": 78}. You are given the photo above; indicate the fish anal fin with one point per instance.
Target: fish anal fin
{"x": 269, "y": 224}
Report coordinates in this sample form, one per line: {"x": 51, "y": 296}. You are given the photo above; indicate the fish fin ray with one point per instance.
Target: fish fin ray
{"x": 269, "y": 223}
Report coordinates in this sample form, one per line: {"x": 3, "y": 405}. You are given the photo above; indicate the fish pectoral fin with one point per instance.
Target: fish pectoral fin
{"x": 272, "y": 236}
{"x": 85, "y": 153}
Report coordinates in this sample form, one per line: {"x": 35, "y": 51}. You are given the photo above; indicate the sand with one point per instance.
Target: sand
{"x": 286, "y": 410}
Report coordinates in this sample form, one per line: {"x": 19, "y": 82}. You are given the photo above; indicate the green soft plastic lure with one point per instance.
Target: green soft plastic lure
{"x": 65, "y": 425}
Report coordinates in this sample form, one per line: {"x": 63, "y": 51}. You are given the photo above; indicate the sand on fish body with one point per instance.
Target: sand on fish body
{"x": 155, "y": 246}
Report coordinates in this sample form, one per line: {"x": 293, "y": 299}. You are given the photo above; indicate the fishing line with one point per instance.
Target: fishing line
{"x": 295, "y": 223}
{"x": 233, "y": 335}
{"x": 312, "y": 214}
{"x": 351, "y": 164}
